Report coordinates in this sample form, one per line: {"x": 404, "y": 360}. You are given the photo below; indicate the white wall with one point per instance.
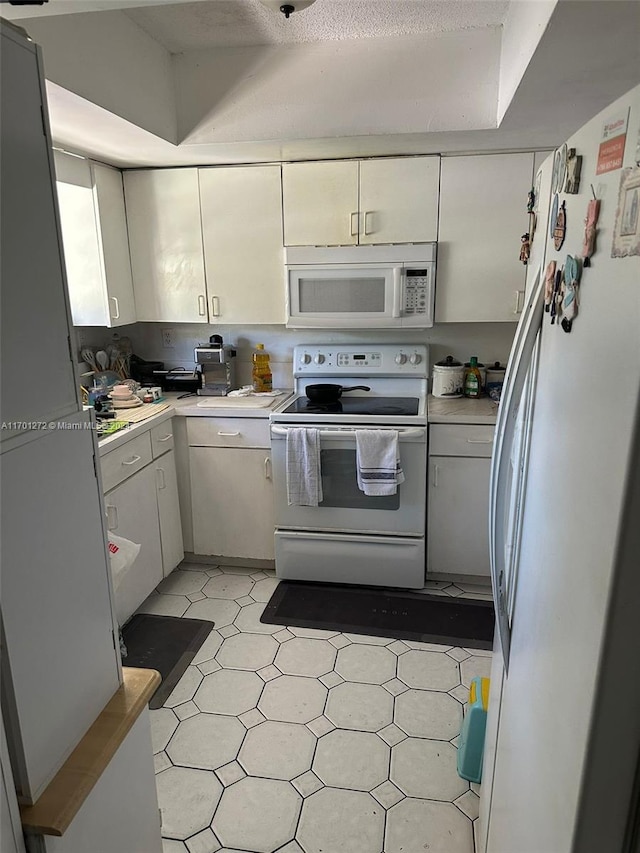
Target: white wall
{"x": 110, "y": 61}
{"x": 489, "y": 341}
{"x": 412, "y": 84}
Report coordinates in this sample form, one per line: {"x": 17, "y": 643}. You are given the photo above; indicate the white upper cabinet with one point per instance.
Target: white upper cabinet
{"x": 483, "y": 214}
{"x": 320, "y": 203}
{"x": 96, "y": 246}
{"x": 242, "y": 233}
{"x": 165, "y": 239}
{"x": 350, "y": 202}
{"x": 399, "y": 200}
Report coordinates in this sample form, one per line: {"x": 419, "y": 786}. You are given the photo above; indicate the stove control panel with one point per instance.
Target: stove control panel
{"x": 344, "y": 359}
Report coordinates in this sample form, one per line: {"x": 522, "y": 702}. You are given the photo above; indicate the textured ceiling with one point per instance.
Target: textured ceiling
{"x": 234, "y": 23}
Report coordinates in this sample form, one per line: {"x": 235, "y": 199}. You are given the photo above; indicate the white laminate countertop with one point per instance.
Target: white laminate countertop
{"x": 461, "y": 410}
{"x": 188, "y": 407}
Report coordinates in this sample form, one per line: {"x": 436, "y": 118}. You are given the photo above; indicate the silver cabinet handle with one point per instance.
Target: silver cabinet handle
{"x": 202, "y": 306}
{"x": 267, "y": 468}
{"x": 165, "y": 438}
{"x": 479, "y": 441}
{"x": 131, "y": 461}
{"x": 215, "y": 306}
{"x": 354, "y": 231}
{"x": 112, "y": 517}
{"x": 116, "y": 306}
{"x": 160, "y": 478}
{"x": 228, "y": 433}
{"x": 367, "y": 214}
{"x": 435, "y": 476}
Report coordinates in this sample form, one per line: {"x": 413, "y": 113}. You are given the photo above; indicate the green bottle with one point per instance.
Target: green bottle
{"x": 473, "y": 379}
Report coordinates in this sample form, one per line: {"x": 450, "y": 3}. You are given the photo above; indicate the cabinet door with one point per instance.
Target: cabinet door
{"x": 483, "y": 214}
{"x": 169, "y": 512}
{"x": 232, "y": 502}
{"x": 114, "y": 244}
{"x": 33, "y": 300}
{"x": 399, "y": 200}
{"x": 320, "y": 203}
{"x": 132, "y": 512}
{"x": 458, "y": 513}
{"x": 243, "y": 206}
{"x": 165, "y": 239}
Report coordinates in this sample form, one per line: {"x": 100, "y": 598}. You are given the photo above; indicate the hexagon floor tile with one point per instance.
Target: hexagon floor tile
{"x": 163, "y": 724}
{"x": 367, "y": 664}
{"x": 206, "y": 741}
{"x": 247, "y": 651}
{"x": 229, "y": 691}
{"x": 302, "y": 656}
{"x": 428, "y": 670}
{"x": 276, "y": 750}
{"x": 427, "y": 769}
{"x": 258, "y": 815}
{"x": 474, "y": 666}
{"x": 428, "y": 713}
{"x": 215, "y": 610}
{"x": 183, "y": 583}
{"x": 249, "y": 620}
{"x": 414, "y": 826}
{"x": 355, "y": 760}
{"x": 293, "y": 699}
{"x": 228, "y": 586}
{"x": 362, "y": 707}
{"x": 187, "y": 799}
{"x": 334, "y": 820}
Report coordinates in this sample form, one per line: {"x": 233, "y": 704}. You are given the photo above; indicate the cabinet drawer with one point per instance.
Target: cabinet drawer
{"x": 228, "y": 432}
{"x": 162, "y": 439}
{"x": 125, "y": 461}
{"x": 460, "y": 440}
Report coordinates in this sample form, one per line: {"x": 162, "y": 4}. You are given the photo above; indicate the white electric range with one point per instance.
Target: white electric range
{"x": 351, "y": 537}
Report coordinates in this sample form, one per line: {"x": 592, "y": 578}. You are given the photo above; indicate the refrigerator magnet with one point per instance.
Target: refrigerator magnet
{"x": 626, "y": 233}
{"x": 590, "y": 230}
{"x": 554, "y": 215}
{"x": 560, "y": 228}
{"x": 574, "y": 167}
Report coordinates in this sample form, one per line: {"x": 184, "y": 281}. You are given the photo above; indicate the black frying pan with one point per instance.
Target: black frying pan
{"x": 327, "y": 393}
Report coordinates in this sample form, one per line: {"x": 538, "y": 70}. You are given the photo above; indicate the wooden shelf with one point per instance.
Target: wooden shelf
{"x": 63, "y": 797}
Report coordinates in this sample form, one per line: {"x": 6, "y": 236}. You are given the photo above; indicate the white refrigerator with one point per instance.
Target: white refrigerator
{"x": 563, "y": 730}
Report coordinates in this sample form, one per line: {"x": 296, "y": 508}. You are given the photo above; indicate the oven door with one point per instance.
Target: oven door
{"x": 345, "y": 509}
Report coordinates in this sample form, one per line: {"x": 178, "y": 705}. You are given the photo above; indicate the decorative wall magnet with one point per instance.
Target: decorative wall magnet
{"x": 531, "y": 201}
{"x": 590, "y": 231}
{"x": 556, "y": 295}
{"x": 549, "y": 281}
{"x": 626, "y": 233}
{"x": 574, "y": 167}
{"x": 570, "y": 294}
{"x": 525, "y": 248}
{"x": 554, "y": 214}
{"x": 560, "y": 228}
{"x": 562, "y": 175}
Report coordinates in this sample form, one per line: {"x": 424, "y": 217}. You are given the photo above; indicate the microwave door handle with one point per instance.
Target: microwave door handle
{"x": 397, "y": 291}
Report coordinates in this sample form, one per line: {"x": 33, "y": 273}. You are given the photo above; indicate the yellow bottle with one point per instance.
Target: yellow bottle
{"x": 261, "y": 373}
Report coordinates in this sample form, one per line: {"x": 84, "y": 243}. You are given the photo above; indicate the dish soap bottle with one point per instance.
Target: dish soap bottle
{"x": 473, "y": 379}
{"x": 261, "y": 373}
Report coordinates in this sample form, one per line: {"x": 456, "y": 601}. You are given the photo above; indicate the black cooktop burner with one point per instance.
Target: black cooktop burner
{"x": 360, "y": 405}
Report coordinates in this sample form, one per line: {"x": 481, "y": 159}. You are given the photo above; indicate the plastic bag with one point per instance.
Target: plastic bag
{"x": 122, "y": 553}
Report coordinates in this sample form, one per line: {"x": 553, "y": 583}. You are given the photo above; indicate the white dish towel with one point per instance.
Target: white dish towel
{"x": 378, "y": 461}
{"x": 304, "y": 479}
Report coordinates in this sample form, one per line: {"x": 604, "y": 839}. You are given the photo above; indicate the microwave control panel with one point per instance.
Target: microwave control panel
{"x": 416, "y": 289}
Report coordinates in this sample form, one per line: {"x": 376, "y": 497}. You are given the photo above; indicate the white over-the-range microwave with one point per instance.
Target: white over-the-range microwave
{"x": 361, "y": 287}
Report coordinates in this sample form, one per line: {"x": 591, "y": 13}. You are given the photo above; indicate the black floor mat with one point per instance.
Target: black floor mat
{"x": 165, "y": 643}
{"x": 382, "y": 613}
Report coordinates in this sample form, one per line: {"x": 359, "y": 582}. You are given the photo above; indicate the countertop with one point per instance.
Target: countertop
{"x": 188, "y": 407}
{"x": 461, "y": 410}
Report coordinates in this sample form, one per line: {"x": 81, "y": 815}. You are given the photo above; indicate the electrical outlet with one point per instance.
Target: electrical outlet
{"x": 168, "y": 338}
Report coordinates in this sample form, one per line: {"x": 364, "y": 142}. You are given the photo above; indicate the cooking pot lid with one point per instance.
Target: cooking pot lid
{"x": 496, "y": 366}
{"x": 449, "y": 361}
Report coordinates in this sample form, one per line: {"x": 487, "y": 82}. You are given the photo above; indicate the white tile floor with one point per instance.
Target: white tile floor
{"x": 304, "y": 741}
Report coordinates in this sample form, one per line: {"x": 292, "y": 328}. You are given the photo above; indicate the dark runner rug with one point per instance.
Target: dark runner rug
{"x": 382, "y": 613}
{"x": 165, "y": 643}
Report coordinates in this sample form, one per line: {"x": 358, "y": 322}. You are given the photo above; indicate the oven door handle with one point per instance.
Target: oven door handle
{"x": 410, "y": 432}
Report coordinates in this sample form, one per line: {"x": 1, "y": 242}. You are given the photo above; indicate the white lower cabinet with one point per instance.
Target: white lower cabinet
{"x": 458, "y": 501}
{"x": 132, "y": 512}
{"x": 143, "y": 507}
{"x": 232, "y": 502}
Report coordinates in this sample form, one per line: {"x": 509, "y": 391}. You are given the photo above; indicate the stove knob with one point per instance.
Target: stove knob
{"x": 415, "y": 358}
{"x": 319, "y": 359}
{"x": 401, "y": 358}
{"x": 305, "y": 359}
